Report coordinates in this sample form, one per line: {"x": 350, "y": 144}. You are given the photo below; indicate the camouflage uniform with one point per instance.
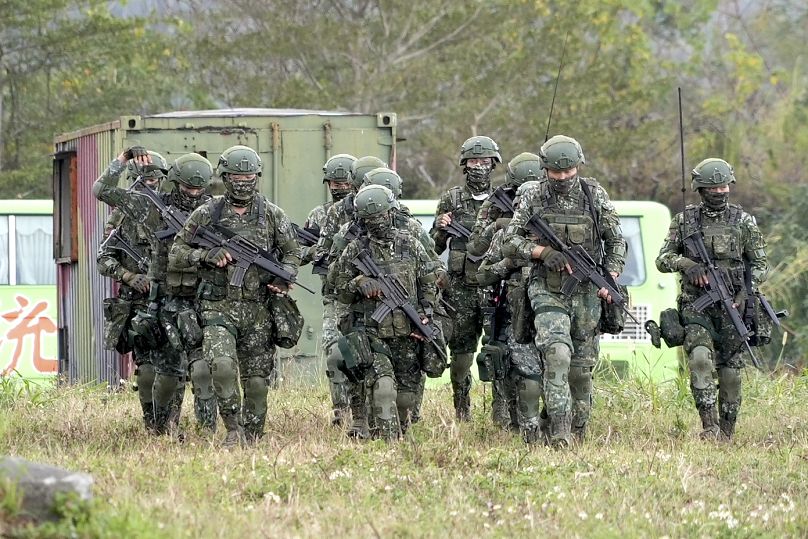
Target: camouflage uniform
{"x": 169, "y": 361}
{"x": 567, "y": 326}
{"x": 734, "y": 242}
{"x": 464, "y": 293}
{"x": 237, "y": 327}
{"x": 395, "y": 358}
{"x": 114, "y": 264}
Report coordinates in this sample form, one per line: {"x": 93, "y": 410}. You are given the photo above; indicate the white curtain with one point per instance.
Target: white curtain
{"x": 35, "y": 263}
{"x": 3, "y": 249}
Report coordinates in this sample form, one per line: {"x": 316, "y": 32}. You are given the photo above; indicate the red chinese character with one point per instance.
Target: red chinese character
{"x": 32, "y": 324}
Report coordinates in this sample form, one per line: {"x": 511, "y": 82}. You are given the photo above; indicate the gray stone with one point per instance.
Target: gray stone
{"x": 40, "y": 484}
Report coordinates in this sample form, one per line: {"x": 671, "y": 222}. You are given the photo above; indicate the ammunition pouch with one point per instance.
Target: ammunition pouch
{"x": 612, "y": 316}
{"x": 146, "y": 331}
{"x": 191, "y": 331}
{"x": 521, "y": 311}
{"x": 492, "y": 362}
{"x": 671, "y": 328}
{"x": 287, "y": 322}
{"x": 358, "y": 354}
{"x": 117, "y": 315}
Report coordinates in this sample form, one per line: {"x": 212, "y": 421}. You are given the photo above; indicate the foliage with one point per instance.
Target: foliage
{"x": 643, "y": 472}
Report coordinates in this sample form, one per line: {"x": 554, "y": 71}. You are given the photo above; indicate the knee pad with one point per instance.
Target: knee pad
{"x": 729, "y": 385}
{"x": 225, "y": 377}
{"x": 145, "y": 382}
{"x": 557, "y": 359}
{"x": 332, "y": 363}
{"x": 406, "y": 402}
{"x": 165, "y": 389}
{"x": 459, "y": 368}
{"x": 581, "y": 383}
{"x": 255, "y": 395}
{"x": 701, "y": 367}
{"x": 530, "y": 393}
{"x": 201, "y": 379}
{"x": 384, "y": 398}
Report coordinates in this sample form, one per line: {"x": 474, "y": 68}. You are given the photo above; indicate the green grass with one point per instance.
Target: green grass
{"x": 642, "y": 472}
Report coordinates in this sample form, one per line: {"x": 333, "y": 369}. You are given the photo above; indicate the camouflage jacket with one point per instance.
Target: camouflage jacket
{"x": 141, "y": 210}
{"x": 404, "y": 257}
{"x": 337, "y": 215}
{"x": 113, "y": 263}
{"x": 316, "y": 219}
{"x": 464, "y": 208}
{"x": 574, "y": 221}
{"x": 264, "y": 223}
{"x": 733, "y": 241}
{"x": 481, "y": 235}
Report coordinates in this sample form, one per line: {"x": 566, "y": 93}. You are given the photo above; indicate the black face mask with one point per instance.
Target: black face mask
{"x": 714, "y": 201}
{"x": 562, "y": 187}
{"x": 339, "y": 194}
{"x": 380, "y": 228}
{"x": 186, "y": 201}
{"x": 479, "y": 178}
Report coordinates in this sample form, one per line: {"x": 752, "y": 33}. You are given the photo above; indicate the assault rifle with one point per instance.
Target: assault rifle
{"x": 245, "y": 253}
{"x": 321, "y": 265}
{"x": 502, "y": 198}
{"x": 307, "y": 236}
{"x": 173, "y": 217}
{"x": 718, "y": 291}
{"x": 116, "y": 241}
{"x": 584, "y": 268}
{"x": 459, "y": 230}
{"x": 395, "y": 296}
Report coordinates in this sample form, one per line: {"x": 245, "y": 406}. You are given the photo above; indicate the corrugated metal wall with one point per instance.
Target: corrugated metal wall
{"x": 80, "y": 287}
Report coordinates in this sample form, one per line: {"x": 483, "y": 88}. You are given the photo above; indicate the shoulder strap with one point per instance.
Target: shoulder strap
{"x": 457, "y": 200}
{"x": 262, "y": 211}
{"x": 216, "y": 214}
{"x": 588, "y": 194}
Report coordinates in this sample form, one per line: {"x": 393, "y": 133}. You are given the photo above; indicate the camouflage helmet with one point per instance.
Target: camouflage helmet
{"x": 712, "y": 172}
{"x": 338, "y": 168}
{"x": 479, "y": 147}
{"x": 386, "y": 177}
{"x": 191, "y": 170}
{"x": 362, "y": 166}
{"x": 561, "y": 153}
{"x": 157, "y": 169}
{"x": 239, "y": 160}
{"x": 524, "y": 167}
{"x": 373, "y": 200}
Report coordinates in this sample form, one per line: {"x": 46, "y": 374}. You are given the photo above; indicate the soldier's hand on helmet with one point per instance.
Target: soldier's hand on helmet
{"x": 218, "y": 256}
{"x": 554, "y": 260}
{"x": 444, "y": 220}
{"x": 136, "y": 153}
{"x": 369, "y": 287}
{"x": 138, "y": 281}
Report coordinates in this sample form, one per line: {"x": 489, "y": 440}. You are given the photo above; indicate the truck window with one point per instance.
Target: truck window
{"x": 634, "y": 272}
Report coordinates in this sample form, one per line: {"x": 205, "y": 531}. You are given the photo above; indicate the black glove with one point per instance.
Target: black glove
{"x": 695, "y": 273}
{"x": 553, "y": 260}
{"x": 135, "y": 151}
{"x": 369, "y": 287}
{"x": 216, "y": 256}
{"x": 138, "y": 281}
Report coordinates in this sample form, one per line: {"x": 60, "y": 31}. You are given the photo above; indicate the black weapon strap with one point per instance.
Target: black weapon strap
{"x": 598, "y": 240}
{"x": 216, "y": 214}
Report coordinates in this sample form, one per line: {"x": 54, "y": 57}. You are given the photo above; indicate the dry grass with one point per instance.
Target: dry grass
{"x": 642, "y": 472}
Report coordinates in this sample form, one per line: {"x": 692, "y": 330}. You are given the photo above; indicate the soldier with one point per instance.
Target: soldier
{"x": 567, "y": 331}
{"x": 379, "y": 354}
{"x": 238, "y": 330}
{"x": 172, "y": 292}
{"x": 133, "y": 294}
{"x": 337, "y": 173}
{"x": 737, "y": 248}
{"x": 478, "y": 157}
{"x": 505, "y": 275}
{"x": 338, "y": 214}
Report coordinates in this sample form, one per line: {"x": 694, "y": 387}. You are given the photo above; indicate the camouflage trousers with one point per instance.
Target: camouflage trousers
{"x": 466, "y": 331}
{"x": 338, "y": 384}
{"x": 524, "y": 382}
{"x": 181, "y": 359}
{"x": 238, "y": 346}
{"x": 568, "y": 340}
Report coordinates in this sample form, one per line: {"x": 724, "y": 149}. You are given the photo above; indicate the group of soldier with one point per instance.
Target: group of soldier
{"x": 533, "y": 267}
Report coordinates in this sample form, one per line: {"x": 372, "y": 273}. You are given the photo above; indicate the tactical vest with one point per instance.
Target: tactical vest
{"x": 394, "y": 260}
{"x": 182, "y": 283}
{"x": 464, "y": 210}
{"x": 722, "y": 238}
{"x": 574, "y": 226}
{"x": 137, "y": 236}
{"x": 252, "y": 225}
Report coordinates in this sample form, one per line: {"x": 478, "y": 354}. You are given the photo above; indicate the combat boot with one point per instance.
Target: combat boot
{"x": 462, "y": 400}
{"x": 560, "y": 436}
{"x": 578, "y": 430}
{"x": 340, "y": 416}
{"x": 386, "y": 429}
{"x": 148, "y": 417}
{"x": 727, "y": 427}
{"x": 532, "y": 431}
{"x": 709, "y": 423}
{"x": 500, "y": 413}
{"x": 206, "y": 412}
{"x": 235, "y": 432}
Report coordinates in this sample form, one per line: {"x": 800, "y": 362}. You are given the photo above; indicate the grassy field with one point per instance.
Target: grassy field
{"x": 642, "y": 472}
